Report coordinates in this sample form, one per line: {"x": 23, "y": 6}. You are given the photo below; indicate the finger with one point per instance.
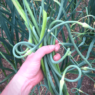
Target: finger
{"x": 43, "y": 51}
{"x": 57, "y": 47}
{"x": 57, "y": 57}
{"x": 56, "y": 41}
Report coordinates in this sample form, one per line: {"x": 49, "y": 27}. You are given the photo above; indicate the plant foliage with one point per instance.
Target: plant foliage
{"x": 40, "y": 22}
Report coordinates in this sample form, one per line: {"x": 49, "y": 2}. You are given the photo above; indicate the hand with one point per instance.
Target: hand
{"x": 30, "y": 73}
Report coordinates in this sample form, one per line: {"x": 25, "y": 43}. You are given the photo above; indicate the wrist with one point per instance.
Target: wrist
{"x": 19, "y": 85}
{"x": 22, "y": 85}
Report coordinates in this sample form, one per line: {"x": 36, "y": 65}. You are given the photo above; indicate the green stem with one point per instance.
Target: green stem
{"x": 31, "y": 15}
{"x": 43, "y": 26}
{"x": 42, "y": 34}
{"x": 23, "y": 15}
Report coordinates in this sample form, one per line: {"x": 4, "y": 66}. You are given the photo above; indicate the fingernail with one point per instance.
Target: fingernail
{"x": 56, "y": 41}
{"x": 57, "y": 57}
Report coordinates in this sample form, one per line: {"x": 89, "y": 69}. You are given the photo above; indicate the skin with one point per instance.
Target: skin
{"x": 30, "y": 73}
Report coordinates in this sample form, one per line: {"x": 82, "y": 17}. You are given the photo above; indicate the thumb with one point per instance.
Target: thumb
{"x": 41, "y": 52}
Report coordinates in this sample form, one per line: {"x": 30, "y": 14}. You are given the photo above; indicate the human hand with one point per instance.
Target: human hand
{"x": 31, "y": 67}
{"x": 30, "y": 73}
